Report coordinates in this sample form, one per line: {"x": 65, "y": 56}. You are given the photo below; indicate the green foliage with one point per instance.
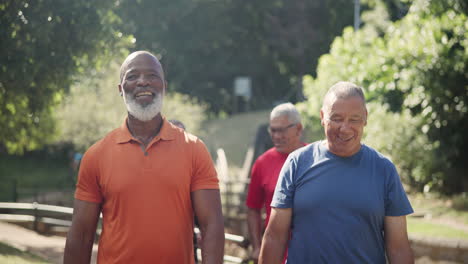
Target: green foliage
{"x": 93, "y": 108}
{"x": 43, "y": 43}
{"x": 188, "y": 110}
{"x": 206, "y": 44}
{"x": 33, "y": 173}
{"x": 418, "y": 65}
{"x": 460, "y": 201}
{"x": 396, "y": 135}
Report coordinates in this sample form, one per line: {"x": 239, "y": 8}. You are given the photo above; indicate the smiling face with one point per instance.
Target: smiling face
{"x": 142, "y": 85}
{"x": 343, "y": 120}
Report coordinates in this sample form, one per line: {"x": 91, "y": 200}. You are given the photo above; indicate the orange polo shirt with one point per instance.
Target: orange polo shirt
{"x": 145, "y": 194}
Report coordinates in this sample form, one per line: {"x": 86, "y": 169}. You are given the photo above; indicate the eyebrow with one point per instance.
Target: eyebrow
{"x": 341, "y": 114}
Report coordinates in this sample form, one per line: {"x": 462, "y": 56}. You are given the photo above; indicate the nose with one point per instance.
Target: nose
{"x": 275, "y": 135}
{"x": 345, "y": 126}
{"x": 142, "y": 80}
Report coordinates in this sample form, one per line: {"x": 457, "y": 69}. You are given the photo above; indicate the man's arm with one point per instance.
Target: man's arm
{"x": 396, "y": 240}
{"x": 254, "y": 221}
{"x": 80, "y": 237}
{"x": 207, "y": 207}
{"x": 276, "y": 236}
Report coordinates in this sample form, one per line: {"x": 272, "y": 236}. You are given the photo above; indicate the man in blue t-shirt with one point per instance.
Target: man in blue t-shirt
{"x": 342, "y": 201}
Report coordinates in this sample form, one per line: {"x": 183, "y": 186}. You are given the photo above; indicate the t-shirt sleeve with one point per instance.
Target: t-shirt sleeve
{"x": 285, "y": 188}
{"x": 204, "y": 174}
{"x": 87, "y": 187}
{"x": 396, "y": 200}
{"x": 255, "y": 195}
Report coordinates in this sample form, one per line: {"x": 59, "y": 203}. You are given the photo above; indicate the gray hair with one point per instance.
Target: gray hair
{"x": 343, "y": 90}
{"x": 288, "y": 110}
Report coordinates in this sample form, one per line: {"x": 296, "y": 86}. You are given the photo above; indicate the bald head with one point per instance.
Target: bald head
{"x": 342, "y": 90}
{"x": 133, "y": 55}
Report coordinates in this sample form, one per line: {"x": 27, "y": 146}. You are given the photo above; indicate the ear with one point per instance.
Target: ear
{"x": 300, "y": 128}
{"x": 365, "y": 120}
{"x": 322, "y": 117}
{"x": 120, "y": 89}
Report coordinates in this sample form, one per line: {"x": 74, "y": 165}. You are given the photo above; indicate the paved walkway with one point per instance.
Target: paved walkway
{"x": 48, "y": 247}
{"x": 51, "y": 247}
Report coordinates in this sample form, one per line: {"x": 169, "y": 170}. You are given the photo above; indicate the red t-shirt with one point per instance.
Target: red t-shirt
{"x": 263, "y": 179}
{"x": 265, "y": 172}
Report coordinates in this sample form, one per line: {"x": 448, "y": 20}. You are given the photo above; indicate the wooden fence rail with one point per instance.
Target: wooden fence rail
{"x": 61, "y": 217}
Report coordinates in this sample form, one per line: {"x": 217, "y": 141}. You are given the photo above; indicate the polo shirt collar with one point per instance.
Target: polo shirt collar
{"x": 167, "y": 132}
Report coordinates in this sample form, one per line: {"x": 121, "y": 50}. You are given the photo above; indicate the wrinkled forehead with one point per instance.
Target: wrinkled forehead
{"x": 279, "y": 121}
{"x": 352, "y": 105}
{"x": 144, "y": 61}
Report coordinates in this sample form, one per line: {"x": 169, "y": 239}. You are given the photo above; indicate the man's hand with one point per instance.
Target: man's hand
{"x": 80, "y": 238}
{"x": 207, "y": 207}
{"x": 254, "y": 221}
{"x": 254, "y": 255}
{"x": 276, "y": 236}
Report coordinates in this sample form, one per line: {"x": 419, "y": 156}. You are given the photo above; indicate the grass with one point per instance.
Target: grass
{"x": 440, "y": 207}
{"x": 427, "y": 228}
{"x": 234, "y": 134}
{"x": 442, "y": 218}
{"x": 10, "y": 254}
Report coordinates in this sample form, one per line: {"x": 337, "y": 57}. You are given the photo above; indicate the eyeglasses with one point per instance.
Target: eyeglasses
{"x": 279, "y": 130}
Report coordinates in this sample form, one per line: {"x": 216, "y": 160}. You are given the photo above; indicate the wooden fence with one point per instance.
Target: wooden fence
{"x": 51, "y": 219}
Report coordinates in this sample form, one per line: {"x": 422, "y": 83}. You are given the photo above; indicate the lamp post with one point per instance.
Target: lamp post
{"x": 357, "y": 20}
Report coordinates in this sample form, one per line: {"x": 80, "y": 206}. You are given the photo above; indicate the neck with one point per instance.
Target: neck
{"x": 144, "y": 131}
{"x": 342, "y": 154}
{"x": 296, "y": 146}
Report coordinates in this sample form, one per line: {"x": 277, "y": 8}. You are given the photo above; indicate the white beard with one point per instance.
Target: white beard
{"x": 146, "y": 112}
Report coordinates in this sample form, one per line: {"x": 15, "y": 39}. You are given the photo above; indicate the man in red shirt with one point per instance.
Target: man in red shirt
{"x": 285, "y": 131}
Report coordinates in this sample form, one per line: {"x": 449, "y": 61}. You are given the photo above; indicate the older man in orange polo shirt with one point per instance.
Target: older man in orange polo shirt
{"x": 148, "y": 179}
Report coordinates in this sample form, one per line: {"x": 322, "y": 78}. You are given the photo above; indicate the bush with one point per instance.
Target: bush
{"x": 416, "y": 68}
{"x": 398, "y": 136}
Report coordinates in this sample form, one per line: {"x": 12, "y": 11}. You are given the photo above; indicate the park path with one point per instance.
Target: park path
{"x": 49, "y": 248}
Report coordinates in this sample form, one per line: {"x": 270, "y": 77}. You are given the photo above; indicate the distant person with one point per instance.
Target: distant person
{"x": 342, "y": 201}
{"x": 285, "y": 130}
{"x": 75, "y": 160}
{"x": 177, "y": 123}
{"x": 148, "y": 179}
{"x": 77, "y": 156}
{"x": 262, "y": 141}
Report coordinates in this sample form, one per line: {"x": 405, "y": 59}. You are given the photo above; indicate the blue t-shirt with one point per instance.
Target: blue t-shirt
{"x": 339, "y": 204}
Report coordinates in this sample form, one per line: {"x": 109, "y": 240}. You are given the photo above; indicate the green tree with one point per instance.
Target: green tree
{"x": 43, "y": 44}
{"x": 206, "y": 44}
{"x": 419, "y": 64}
